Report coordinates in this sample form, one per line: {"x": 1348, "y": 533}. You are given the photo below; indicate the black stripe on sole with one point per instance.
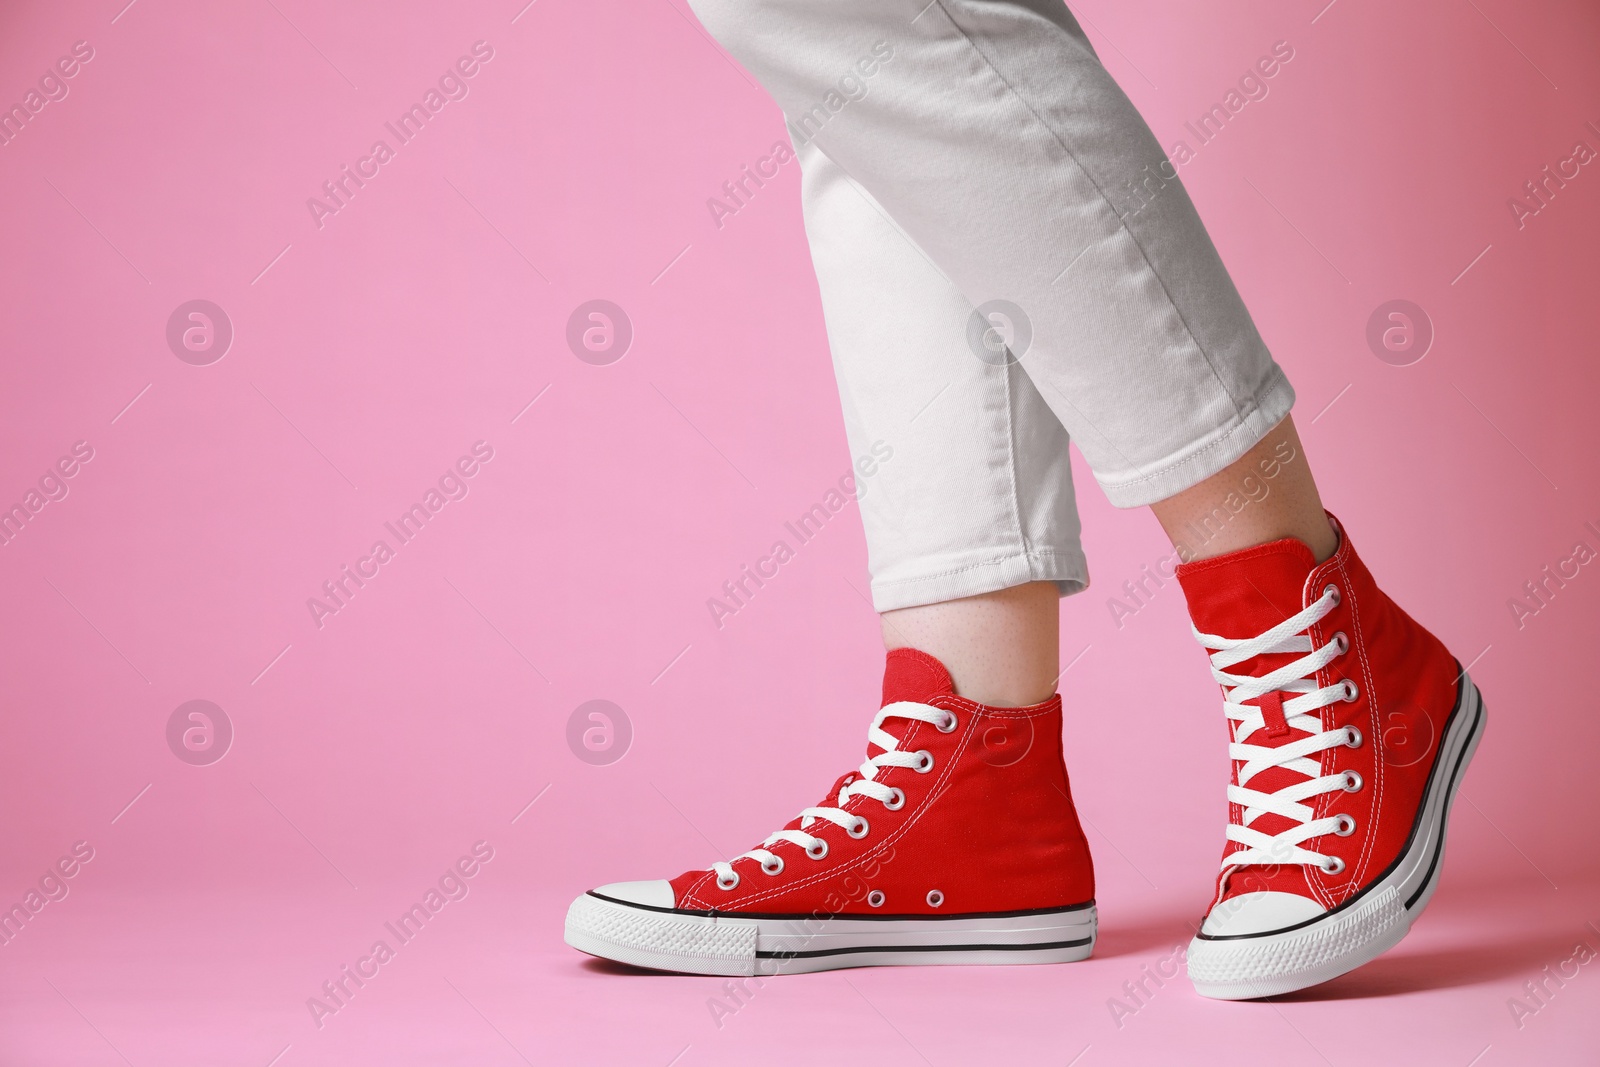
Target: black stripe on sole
{"x": 800, "y": 916}
{"x": 1434, "y": 779}
{"x": 782, "y": 955}
{"x": 1449, "y": 802}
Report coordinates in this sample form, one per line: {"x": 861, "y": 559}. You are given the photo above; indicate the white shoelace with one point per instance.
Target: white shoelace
{"x": 1297, "y": 677}
{"x": 856, "y": 826}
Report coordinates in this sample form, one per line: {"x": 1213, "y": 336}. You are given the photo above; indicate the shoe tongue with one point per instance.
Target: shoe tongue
{"x": 1244, "y": 593}
{"x": 915, "y": 676}
{"x": 1238, "y": 596}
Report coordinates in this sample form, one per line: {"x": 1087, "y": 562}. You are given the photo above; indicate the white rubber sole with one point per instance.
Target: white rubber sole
{"x": 1357, "y": 932}
{"x": 728, "y": 944}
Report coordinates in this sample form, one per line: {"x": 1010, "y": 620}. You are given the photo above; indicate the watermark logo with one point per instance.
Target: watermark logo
{"x": 739, "y": 591}
{"x": 599, "y": 332}
{"x": 199, "y": 732}
{"x": 1541, "y": 190}
{"x": 1553, "y": 978}
{"x": 999, "y": 333}
{"x": 1255, "y": 487}
{"x": 599, "y": 732}
{"x": 1004, "y": 741}
{"x": 741, "y": 190}
{"x": 850, "y": 87}
{"x": 199, "y": 332}
{"x": 1252, "y": 86}
{"x": 51, "y": 888}
{"x": 791, "y": 940}
{"x": 340, "y": 590}
{"x": 51, "y": 88}
{"x": 453, "y": 85}
{"x": 1139, "y": 991}
{"x": 1540, "y": 591}
{"x": 52, "y": 486}
{"x": 451, "y": 887}
{"x": 1399, "y": 332}
{"x": 1408, "y": 736}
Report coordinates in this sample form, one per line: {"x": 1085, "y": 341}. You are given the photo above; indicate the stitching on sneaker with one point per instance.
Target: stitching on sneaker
{"x": 936, "y": 791}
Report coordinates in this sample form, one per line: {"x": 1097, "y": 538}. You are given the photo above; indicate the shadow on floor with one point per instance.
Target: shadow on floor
{"x": 595, "y": 965}
{"x": 1142, "y": 936}
{"x": 1480, "y": 906}
{"x": 1515, "y": 949}
{"x": 1401, "y": 972}
{"x": 1486, "y": 907}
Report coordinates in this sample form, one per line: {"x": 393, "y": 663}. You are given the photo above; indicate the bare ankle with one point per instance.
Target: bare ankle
{"x": 1002, "y": 648}
{"x": 1265, "y": 495}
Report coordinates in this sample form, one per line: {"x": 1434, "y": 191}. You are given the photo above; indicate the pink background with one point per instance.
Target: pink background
{"x": 425, "y": 316}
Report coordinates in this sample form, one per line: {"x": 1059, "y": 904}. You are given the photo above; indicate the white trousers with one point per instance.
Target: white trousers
{"x": 1007, "y": 261}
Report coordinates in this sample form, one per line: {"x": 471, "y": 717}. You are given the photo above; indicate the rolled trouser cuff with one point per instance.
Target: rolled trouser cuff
{"x": 1210, "y": 452}
{"x": 932, "y": 581}
{"x": 965, "y": 476}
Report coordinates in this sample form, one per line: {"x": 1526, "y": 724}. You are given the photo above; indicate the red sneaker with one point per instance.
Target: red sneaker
{"x": 1350, "y": 727}
{"x": 956, "y": 843}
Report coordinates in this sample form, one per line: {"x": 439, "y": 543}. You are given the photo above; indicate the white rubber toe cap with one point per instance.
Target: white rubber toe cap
{"x": 656, "y": 893}
{"x": 1255, "y": 913}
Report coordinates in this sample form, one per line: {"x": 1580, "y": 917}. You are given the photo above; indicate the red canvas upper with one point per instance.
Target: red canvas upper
{"x": 1407, "y": 685}
{"x": 991, "y": 827}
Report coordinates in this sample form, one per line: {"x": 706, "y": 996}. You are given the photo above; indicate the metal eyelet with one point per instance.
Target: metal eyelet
{"x": 897, "y": 800}
{"x": 935, "y": 898}
{"x": 731, "y": 883}
{"x": 1352, "y": 737}
{"x": 924, "y": 762}
{"x": 1333, "y": 865}
{"x": 1352, "y": 782}
{"x": 875, "y": 898}
{"x": 1346, "y": 827}
{"x": 1333, "y": 591}
{"x": 859, "y": 828}
{"x": 774, "y": 866}
{"x": 1350, "y": 692}
{"x": 1341, "y": 643}
{"x": 946, "y": 724}
{"x": 818, "y": 850}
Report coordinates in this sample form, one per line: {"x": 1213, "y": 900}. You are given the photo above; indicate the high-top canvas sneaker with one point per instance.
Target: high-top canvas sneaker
{"x": 1350, "y": 727}
{"x": 955, "y": 842}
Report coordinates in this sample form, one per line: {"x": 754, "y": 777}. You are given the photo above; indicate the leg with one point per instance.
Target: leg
{"x": 990, "y": 133}
{"x": 993, "y": 137}
{"x": 1002, "y": 648}
{"x": 972, "y": 533}
{"x": 1265, "y": 495}
{"x": 1129, "y": 328}
{"x": 966, "y": 494}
